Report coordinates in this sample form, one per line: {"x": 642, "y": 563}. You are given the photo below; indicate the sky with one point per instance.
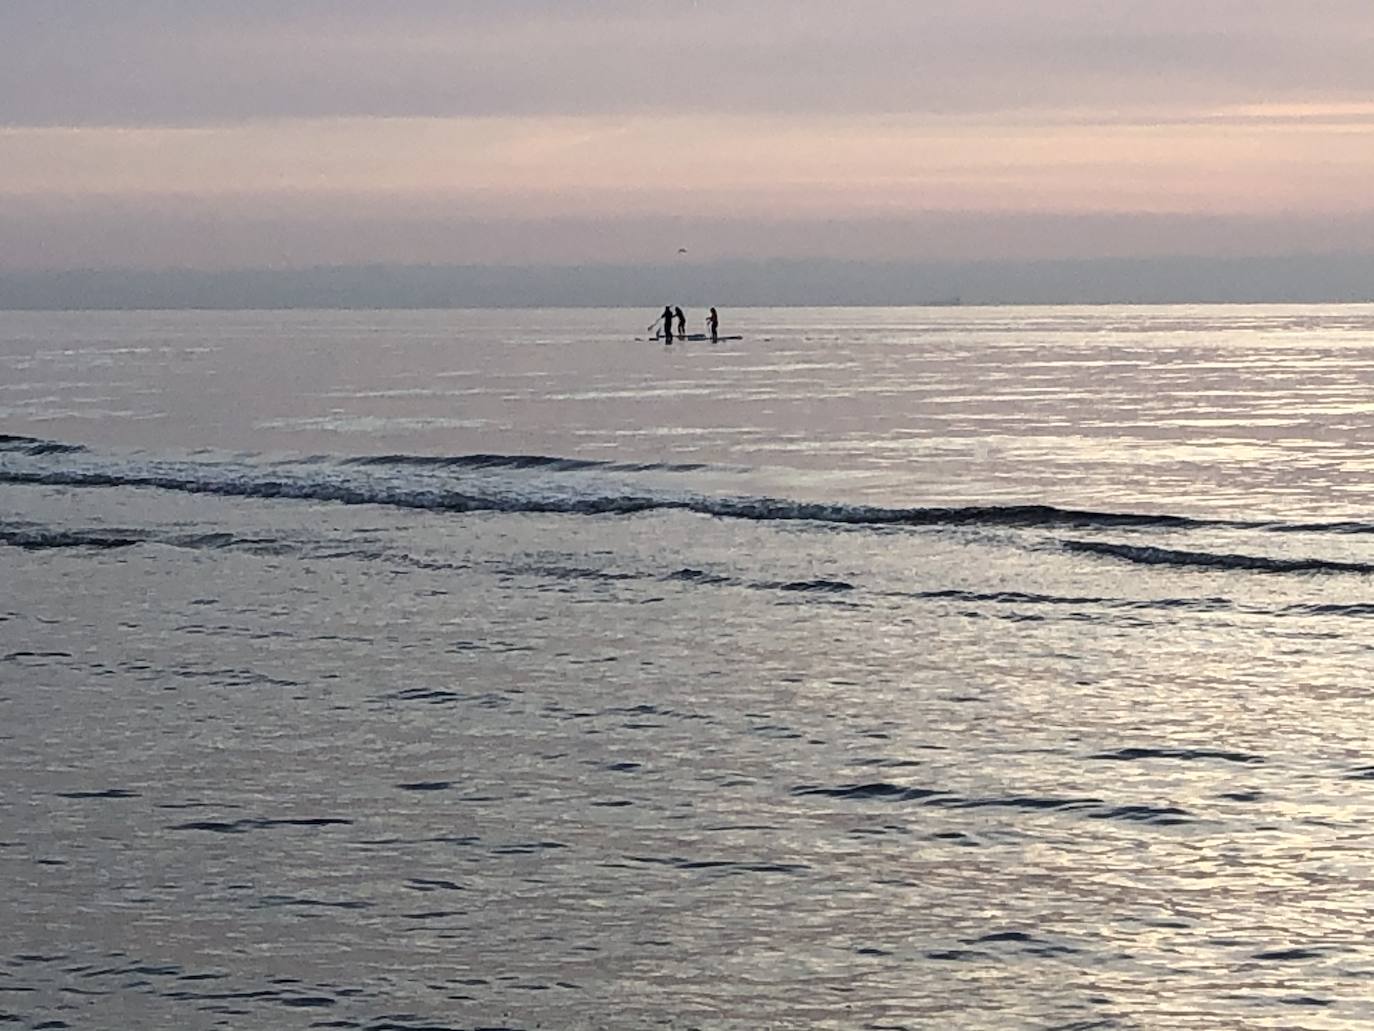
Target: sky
{"x": 201, "y": 134}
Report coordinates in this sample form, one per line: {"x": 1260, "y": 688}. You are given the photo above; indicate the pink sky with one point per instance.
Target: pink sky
{"x": 183, "y": 134}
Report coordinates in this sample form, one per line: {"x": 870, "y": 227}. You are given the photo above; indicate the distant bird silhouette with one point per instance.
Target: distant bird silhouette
{"x": 682, "y": 250}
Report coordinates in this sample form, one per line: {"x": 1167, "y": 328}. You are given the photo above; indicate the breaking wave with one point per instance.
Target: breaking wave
{"x": 1149, "y": 555}
{"x": 473, "y": 484}
{"x": 35, "y": 446}
{"x": 544, "y": 484}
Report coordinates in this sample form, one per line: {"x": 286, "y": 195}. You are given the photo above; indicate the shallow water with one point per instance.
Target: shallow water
{"x": 969, "y": 668}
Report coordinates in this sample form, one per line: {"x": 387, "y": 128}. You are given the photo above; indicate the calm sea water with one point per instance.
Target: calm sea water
{"x": 946, "y": 668}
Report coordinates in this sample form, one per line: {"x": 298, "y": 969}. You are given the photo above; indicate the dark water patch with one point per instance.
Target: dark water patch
{"x": 308, "y": 1001}
{"x": 494, "y": 647}
{"x": 1008, "y": 598}
{"x": 251, "y": 995}
{"x": 1354, "y": 610}
{"x": 767, "y": 509}
{"x": 649, "y": 709}
{"x": 722, "y": 866}
{"x": 698, "y": 576}
{"x": 1163, "y": 816}
{"x": 19, "y": 657}
{"x": 1361, "y": 773}
{"x": 823, "y": 586}
{"x": 957, "y": 838}
{"x": 220, "y": 541}
{"x": 427, "y": 884}
{"x": 53, "y": 540}
{"x": 1200, "y": 604}
{"x": 1241, "y": 796}
{"x": 139, "y": 969}
{"x": 89, "y": 992}
{"x": 229, "y": 630}
{"x": 234, "y": 678}
{"x": 427, "y": 785}
{"x": 479, "y": 461}
{"x": 532, "y": 848}
{"x": 956, "y": 955}
{"x": 624, "y": 767}
{"x": 704, "y": 579}
{"x": 1305, "y": 1000}
{"x": 246, "y": 825}
{"x": 556, "y": 572}
{"x": 662, "y": 467}
{"x": 36, "y": 446}
{"x": 888, "y": 764}
{"x": 551, "y": 463}
{"x": 300, "y": 902}
{"x": 873, "y": 791}
{"x": 462, "y": 841}
{"x": 1339, "y": 526}
{"x": 106, "y": 793}
{"x": 1182, "y": 754}
{"x": 428, "y": 695}
{"x": 1029, "y": 944}
{"x": 1154, "y": 556}
{"x": 1287, "y": 955}
{"x": 1033, "y": 802}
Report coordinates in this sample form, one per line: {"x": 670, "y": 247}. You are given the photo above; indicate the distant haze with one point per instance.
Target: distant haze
{"x": 603, "y": 135}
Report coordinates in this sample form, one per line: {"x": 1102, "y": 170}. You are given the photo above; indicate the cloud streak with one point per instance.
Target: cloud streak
{"x": 140, "y": 62}
{"x": 1314, "y": 158}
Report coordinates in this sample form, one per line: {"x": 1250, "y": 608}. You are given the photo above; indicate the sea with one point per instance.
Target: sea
{"x": 887, "y": 668}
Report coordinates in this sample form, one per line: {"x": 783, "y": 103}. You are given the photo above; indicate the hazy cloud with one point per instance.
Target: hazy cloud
{"x": 137, "y": 62}
{"x": 185, "y": 131}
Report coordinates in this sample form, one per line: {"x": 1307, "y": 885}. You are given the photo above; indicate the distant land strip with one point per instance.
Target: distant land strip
{"x": 1330, "y": 278}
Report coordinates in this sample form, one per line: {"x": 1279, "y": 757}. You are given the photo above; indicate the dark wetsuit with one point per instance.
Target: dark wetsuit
{"x": 681, "y": 324}
{"x": 668, "y": 325}
{"x": 713, "y": 323}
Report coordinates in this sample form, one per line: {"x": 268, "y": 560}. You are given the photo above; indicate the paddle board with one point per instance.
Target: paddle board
{"x": 698, "y": 336}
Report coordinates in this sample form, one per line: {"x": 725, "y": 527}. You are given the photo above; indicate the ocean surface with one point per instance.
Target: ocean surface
{"x": 887, "y": 668}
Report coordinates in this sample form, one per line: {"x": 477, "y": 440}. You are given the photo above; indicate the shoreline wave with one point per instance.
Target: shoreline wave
{"x": 550, "y": 484}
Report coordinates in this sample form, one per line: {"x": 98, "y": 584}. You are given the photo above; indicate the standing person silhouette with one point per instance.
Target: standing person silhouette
{"x": 713, "y": 324}
{"x": 667, "y": 324}
{"x": 681, "y": 323}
